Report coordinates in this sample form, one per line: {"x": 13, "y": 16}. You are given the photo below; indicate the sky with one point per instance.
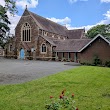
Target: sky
{"x": 70, "y": 13}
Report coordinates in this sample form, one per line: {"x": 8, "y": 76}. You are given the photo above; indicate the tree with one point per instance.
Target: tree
{"x": 4, "y": 20}
{"x": 99, "y": 29}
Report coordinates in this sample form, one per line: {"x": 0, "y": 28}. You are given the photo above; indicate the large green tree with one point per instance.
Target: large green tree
{"x": 103, "y": 29}
{"x": 4, "y": 20}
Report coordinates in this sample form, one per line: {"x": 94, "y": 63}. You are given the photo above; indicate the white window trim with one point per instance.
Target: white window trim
{"x": 41, "y": 49}
{"x": 22, "y": 32}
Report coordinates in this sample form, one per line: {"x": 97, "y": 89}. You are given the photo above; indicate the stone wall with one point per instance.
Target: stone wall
{"x": 39, "y": 54}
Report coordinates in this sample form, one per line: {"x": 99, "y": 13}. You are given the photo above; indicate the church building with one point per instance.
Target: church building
{"x": 41, "y": 39}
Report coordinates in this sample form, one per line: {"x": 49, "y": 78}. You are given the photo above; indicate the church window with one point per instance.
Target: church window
{"x": 26, "y": 32}
{"x": 43, "y": 48}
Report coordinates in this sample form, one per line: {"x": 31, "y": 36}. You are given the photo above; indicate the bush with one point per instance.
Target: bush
{"x": 97, "y": 61}
{"x": 63, "y": 103}
{"x": 107, "y": 63}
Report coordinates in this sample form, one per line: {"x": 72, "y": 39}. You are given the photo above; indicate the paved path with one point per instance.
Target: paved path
{"x": 19, "y": 71}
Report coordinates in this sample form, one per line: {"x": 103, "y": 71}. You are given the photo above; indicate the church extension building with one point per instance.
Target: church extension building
{"x": 39, "y": 38}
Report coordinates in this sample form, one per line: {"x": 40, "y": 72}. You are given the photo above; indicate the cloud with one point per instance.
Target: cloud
{"x": 106, "y": 19}
{"x": 2, "y": 2}
{"x": 63, "y": 21}
{"x": 87, "y": 27}
{"x": 74, "y": 1}
{"x": 106, "y": 1}
{"x": 29, "y": 3}
{"x": 14, "y": 21}
{"x": 67, "y": 22}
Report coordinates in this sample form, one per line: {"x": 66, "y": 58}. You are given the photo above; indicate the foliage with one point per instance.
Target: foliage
{"x": 97, "y": 61}
{"x": 63, "y": 103}
{"x": 99, "y": 29}
{"x": 10, "y": 5}
{"x": 4, "y": 20}
{"x": 91, "y": 86}
{"x": 107, "y": 63}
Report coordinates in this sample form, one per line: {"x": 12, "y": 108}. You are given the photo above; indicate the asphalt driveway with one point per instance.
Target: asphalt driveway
{"x": 19, "y": 71}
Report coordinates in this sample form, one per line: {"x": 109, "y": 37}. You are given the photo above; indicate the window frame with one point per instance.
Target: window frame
{"x": 26, "y": 32}
{"x": 43, "y": 52}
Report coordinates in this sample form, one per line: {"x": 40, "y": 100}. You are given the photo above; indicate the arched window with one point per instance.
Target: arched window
{"x": 43, "y": 48}
{"x": 26, "y": 32}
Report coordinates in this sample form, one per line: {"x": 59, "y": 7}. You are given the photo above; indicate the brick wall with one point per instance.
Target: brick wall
{"x": 98, "y": 48}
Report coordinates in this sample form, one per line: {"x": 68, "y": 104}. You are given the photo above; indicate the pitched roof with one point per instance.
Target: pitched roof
{"x": 49, "y": 40}
{"x": 70, "y": 45}
{"x": 75, "y": 34}
{"x": 99, "y": 35}
{"x": 48, "y": 25}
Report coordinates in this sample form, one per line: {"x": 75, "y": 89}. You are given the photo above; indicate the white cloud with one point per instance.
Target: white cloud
{"x": 74, "y": 1}
{"x": 63, "y": 21}
{"x": 14, "y": 20}
{"x": 106, "y": 19}
{"x": 29, "y": 3}
{"x": 87, "y": 27}
{"x": 2, "y": 2}
{"x": 67, "y": 22}
{"x": 106, "y": 1}
{"x": 84, "y": 0}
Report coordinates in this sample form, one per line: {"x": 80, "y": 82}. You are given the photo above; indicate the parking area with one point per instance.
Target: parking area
{"x": 18, "y": 71}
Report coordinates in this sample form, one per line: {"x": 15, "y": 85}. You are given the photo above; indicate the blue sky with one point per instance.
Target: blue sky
{"x": 71, "y": 13}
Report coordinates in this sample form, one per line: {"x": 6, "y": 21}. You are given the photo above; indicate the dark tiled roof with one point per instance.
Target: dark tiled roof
{"x": 75, "y": 34}
{"x": 48, "y": 25}
{"x": 97, "y": 36}
{"x": 70, "y": 45}
{"x": 50, "y": 40}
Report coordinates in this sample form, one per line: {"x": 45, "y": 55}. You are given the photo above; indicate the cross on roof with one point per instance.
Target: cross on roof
{"x": 26, "y": 6}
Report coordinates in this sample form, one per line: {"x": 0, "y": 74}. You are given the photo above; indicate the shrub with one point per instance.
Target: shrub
{"x": 63, "y": 103}
{"x": 107, "y": 63}
{"x": 97, "y": 61}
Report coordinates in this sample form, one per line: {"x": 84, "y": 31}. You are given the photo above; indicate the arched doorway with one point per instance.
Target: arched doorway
{"x": 22, "y": 54}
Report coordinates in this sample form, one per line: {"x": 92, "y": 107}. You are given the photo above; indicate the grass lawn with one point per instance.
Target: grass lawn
{"x": 91, "y": 86}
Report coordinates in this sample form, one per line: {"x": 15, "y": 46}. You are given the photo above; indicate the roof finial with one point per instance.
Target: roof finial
{"x": 26, "y": 7}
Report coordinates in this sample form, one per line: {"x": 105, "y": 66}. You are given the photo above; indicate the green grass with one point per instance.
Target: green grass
{"x": 91, "y": 86}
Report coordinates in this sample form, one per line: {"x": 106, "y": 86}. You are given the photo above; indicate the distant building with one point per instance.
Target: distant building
{"x": 39, "y": 38}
